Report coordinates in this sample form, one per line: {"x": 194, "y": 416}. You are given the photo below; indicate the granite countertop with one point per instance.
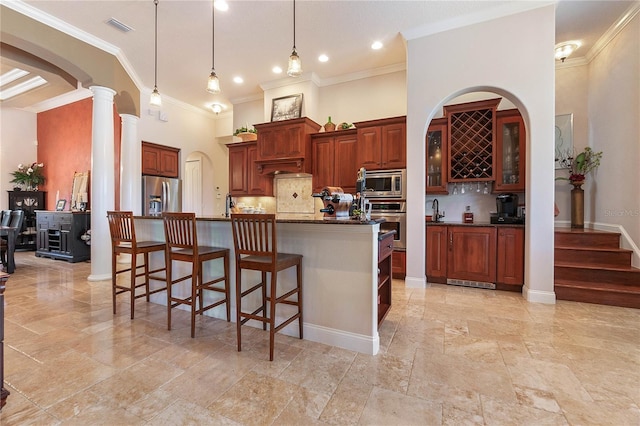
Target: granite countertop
{"x": 288, "y": 219}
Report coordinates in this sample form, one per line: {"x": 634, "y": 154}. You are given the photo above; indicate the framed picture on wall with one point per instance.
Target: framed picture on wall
{"x": 286, "y": 107}
{"x": 564, "y": 140}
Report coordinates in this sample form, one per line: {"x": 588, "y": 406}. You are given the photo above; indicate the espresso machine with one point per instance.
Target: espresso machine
{"x": 336, "y": 202}
{"x": 507, "y": 210}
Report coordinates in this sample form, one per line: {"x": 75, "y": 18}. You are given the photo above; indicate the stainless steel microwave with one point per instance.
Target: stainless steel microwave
{"x": 386, "y": 184}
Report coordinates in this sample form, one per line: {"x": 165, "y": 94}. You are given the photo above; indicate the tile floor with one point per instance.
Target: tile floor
{"x": 449, "y": 355}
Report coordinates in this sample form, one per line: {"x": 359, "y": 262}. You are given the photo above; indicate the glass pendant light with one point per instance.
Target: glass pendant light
{"x": 295, "y": 65}
{"x": 155, "y": 100}
{"x": 213, "y": 85}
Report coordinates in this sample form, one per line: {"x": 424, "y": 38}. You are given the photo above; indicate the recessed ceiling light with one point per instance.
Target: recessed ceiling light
{"x": 21, "y": 88}
{"x": 12, "y": 75}
{"x": 238, "y": 80}
{"x": 221, "y": 5}
{"x": 377, "y": 45}
{"x": 323, "y": 58}
{"x": 276, "y": 70}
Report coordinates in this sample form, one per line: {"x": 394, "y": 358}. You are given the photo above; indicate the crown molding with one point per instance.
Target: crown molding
{"x": 374, "y": 72}
{"x": 66, "y": 98}
{"x": 613, "y": 31}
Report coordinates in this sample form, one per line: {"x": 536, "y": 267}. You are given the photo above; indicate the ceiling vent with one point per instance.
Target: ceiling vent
{"x": 119, "y": 25}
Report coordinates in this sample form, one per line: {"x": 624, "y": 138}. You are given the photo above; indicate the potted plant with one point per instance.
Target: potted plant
{"x": 29, "y": 176}
{"x": 246, "y": 134}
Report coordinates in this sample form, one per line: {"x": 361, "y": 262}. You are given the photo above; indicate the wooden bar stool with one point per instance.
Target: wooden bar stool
{"x": 182, "y": 246}
{"x": 123, "y": 241}
{"x": 255, "y": 242}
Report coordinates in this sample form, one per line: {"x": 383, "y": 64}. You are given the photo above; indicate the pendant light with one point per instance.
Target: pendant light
{"x": 155, "y": 100}
{"x": 295, "y": 65}
{"x": 213, "y": 85}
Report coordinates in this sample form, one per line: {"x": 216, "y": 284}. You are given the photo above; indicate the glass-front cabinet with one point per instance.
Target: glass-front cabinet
{"x": 437, "y": 157}
{"x": 510, "y": 152}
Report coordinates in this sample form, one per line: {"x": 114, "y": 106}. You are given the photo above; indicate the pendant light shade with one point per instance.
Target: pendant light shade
{"x": 213, "y": 84}
{"x": 155, "y": 100}
{"x": 295, "y": 64}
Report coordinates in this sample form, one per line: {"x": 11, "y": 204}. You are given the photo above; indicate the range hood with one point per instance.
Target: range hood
{"x": 282, "y": 165}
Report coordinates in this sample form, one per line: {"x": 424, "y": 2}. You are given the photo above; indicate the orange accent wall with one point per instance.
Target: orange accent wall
{"x": 64, "y": 146}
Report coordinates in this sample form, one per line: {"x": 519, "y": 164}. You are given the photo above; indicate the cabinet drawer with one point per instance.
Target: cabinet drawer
{"x": 385, "y": 247}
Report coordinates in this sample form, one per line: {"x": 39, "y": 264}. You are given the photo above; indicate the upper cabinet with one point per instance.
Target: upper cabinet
{"x": 160, "y": 160}
{"x": 510, "y": 152}
{"x": 382, "y": 144}
{"x": 437, "y": 155}
{"x": 244, "y": 178}
{"x": 471, "y": 132}
{"x": 335, "y": 160}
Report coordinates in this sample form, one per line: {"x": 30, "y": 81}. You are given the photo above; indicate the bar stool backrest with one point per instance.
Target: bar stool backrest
{"x": 254, "y": 235}
{"x": 180, "y": 231}
{"x": 121, "y": 227}
{"x": 6, "y": 218}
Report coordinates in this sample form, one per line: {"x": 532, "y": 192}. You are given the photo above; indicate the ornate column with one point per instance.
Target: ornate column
{"x": 130, "y": 165}
{"x": 102, "y": 182}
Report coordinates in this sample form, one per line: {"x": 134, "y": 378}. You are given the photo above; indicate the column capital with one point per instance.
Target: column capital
{"x": 104, "y": 93}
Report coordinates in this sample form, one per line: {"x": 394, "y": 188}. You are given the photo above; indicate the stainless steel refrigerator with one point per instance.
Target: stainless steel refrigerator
{"x": 160, "y": 194}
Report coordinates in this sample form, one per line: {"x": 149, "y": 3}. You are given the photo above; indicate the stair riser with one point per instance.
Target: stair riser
{"x": 600, "y": 297}
{"x": 587, "y": 240}
{"x": 630, "y": 278}
{"x": 585, "y": 257}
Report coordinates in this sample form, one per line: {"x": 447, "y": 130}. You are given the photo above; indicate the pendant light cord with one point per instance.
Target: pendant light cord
{"x": 213, "y": 35}
{"x": 294, "y": 24}
{"x": 155, "y": 77}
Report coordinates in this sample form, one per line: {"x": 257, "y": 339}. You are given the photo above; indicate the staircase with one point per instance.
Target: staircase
{"x": 591, "y": 267}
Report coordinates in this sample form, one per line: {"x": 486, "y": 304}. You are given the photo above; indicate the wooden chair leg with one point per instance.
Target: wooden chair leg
{"x": 169, "y": 287}
{"x": 299, "y": 282}
{"x": 227, "y": 289}
{"x": 114, "y": 256}
{"x": 239, "y": 306}
{"x": 133, "y": 282}
{"x": 146, "y": 275}
{"x": 195, "y": 292}
{"x": 264, "y": 298}
{"x": 272, "y": 313}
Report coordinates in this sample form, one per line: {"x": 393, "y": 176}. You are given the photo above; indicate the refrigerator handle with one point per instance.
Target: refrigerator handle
{"x": 167, "y": 195}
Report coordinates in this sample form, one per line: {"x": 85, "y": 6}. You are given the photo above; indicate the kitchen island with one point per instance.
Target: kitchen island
{"x": 339, "y": 281}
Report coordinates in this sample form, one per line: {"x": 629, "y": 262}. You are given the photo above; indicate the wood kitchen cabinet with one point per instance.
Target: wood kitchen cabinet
{"x": 159, "y": 160}
{"x": 510, "y": 259}
{"x": 436, "y": 254}
{"x": 510, "y": 152}
{"x": 334, "y": 160}
{"x": 244, "y": 178}
{"x": 385, "y": 262}
{"x": 471, "y": 132}
{"x": 437, "y": 157}
{"x": 285, "y": 145}
{"x": 472, "y": 253}
{"x": 382, "y": 144}
{"x": 399, "y": 264}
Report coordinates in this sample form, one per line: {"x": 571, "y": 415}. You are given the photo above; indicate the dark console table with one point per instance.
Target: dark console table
{"x": 59, "y": 235}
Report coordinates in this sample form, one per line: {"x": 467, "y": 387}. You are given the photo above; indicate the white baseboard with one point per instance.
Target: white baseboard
{"x": 99, "y": 277}
{"x": 413, "y": 282}
{"x": 537, "y": 296}
{"x": 351, "y": 341}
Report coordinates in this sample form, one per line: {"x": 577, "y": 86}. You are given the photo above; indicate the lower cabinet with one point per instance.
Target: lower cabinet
{"x": 59, "y": 235}
{"x": 482, "y": 254}
{"x": 385, "y": 262}
{"x": 399, "y": 264}
{"x": 510, "y": 259}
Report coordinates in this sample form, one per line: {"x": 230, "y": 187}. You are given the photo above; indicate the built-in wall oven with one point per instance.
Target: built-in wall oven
{"x": 395, "y": 215}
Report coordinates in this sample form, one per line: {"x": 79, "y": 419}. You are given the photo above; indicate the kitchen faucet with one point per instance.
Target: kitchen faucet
{"x": 436, "y": 211}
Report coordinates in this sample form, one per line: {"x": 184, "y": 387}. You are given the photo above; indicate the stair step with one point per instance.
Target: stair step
{"x": 590, "y": 255}
{"x": 600, "y": 293}
{"x": 569, "y": 237}
{"x": 594, "y": 273}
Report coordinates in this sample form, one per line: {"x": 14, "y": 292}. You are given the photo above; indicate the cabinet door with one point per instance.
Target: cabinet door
{"x": 322, "y": 166}
{"x": 150, "y": 160}
{"x": 510, "y": 256}
{"x": 510, "y": 152}
{"x": 472, "y": 253}
{"x": 399, "y": 264}
{"x": 436, "y": 253}
{"x": 394, "y": 146}
{"x": 283, "y": 141}
{"x": 237, "y": 170}
{"x": 370, "y": 147}
{"x": 257, "y": 183}
{"x": 437, "y": 159}
{"x": 345, "y": 164}
{"x": 169, "y": 163}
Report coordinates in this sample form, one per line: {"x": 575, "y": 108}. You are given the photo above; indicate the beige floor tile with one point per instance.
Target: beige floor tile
{"x": 385, "y": 407}
{"x": 500, "y": 413}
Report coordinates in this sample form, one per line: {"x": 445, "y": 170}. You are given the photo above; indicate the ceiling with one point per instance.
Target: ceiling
{"x": 254, "y": 36}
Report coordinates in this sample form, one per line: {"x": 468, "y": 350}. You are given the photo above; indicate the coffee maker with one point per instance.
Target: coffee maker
{"x": 507, "y": 209}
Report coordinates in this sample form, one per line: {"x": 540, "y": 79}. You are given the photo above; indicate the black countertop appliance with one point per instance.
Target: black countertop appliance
{"x": 507, "y": 206}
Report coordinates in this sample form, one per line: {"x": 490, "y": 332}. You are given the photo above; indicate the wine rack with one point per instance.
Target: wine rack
{"x": 471, "y": 129}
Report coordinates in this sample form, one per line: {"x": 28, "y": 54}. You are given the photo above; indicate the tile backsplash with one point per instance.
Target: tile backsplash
{"x": 293, "y": 194}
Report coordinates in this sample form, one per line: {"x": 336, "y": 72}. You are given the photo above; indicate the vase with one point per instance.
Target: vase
{"x": 329, "y": 127}
{"x": 577, "y": 205}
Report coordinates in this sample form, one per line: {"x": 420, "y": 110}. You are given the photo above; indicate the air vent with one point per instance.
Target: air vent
{"x": 119, "y": 25}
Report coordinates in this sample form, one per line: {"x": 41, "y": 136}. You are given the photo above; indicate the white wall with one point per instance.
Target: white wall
{"x": 18, "y": 144}
{"x": 475, "y": 58}
{"x": 191, "y": 130}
